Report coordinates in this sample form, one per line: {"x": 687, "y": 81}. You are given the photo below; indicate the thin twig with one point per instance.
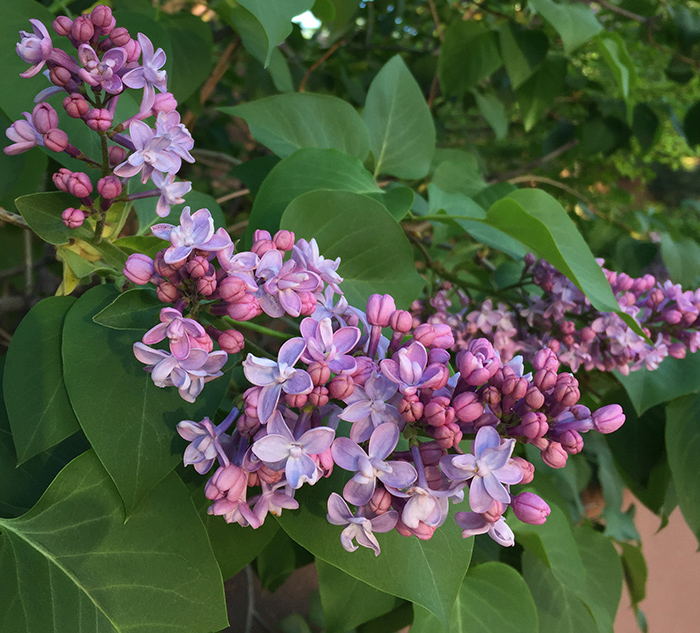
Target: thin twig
{"x": 235, "y": 228}
{"x": 558, "y": 185}
{"x": 538, "y": 162}
{"x": 620, "y": 11}
{"x": 231, "y": 196}
{"x": 28, "y": 272}
{"x": 218, "y": 156}
{"x": 13, "y": 218}
{"x": 319, "y": 61}
{"x": 436, "y": 19}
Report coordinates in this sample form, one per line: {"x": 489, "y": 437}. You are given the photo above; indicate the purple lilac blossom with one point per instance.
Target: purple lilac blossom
{"x": 171, "y": 192}
{"x": 358, "y": 527}
{"x": 34, "y": 48}
{"x": 181, "y": 332}
{"x": 473, "y": 523}
{"x": 325, "y": 345}
{"x": 306, "y": 254}
{"x": 102, "y": 72}
{"x": 149, "y": 75}
{"x": 407, "y": 368}
{"x": 207, "y": 442}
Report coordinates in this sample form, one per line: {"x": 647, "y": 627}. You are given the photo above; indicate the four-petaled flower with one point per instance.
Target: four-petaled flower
{"x": 325, "y": 345}
{"x": 358, "y": 527}
{"x": 149, "y": 75}
{"x": 369, "y": 407}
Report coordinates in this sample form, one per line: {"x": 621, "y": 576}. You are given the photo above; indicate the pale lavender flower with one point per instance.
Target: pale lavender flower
{"x": 488, "y": 468}
{"x": 151, "y": 153}
{"x": 181, "y": 332}
{"x": 369, "y": 407}
{"x": 195, "y": 232}
{"x": 358, "y": 527}
{"x": 308, "y": 257}
{"x": 277, "y": 376}
{"x": 206, "y": 442}
{"x": 327, "y": 308}
{"x": 273, "y": 500}
{"x": 102, "y": 72}
{"x": 34, "y": 49}
{"x": 188, "y": 375}
{"x": 473, "y": 523}
{"x": 171, "y": 192}
{"x": 181, "y": 141}
{"x": 407, "y": 368}
{"x": 23, "y": 135}
{"x": 369, "y": 467}
{"x": 325, "y": 345}
{"x": 424, "y": 505}
{"x": 281, "y": 449}
{"x": 281, "y": 284}
{"x": 149, "y": 75}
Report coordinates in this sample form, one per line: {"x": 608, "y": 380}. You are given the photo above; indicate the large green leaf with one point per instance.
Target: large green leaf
{"x": 42, "y": 211}
{"x": 537, "y": 220}
{"x": 36, "y": 398}
{"x": 468, "y": 55}
{"x": 429, "y": 573}
{"x": 681, "y": 257}
{"x": 374, "y": 253}
{"x": 127, "y": 419}
{"x": 614, "y": 52}
{"x": 275, "y": 16}
{"x": 675, "y": 377}
{"x": 135, "y": 309}
{"x": 401, "y": 129}
{"x": 288, "y": 122}
{"x": 306, "y": 170}
{"x": 536, "y": 96}
{"x": 347, "y": 601}
{"x": 73, "y": 564}
{"x": 494, "y": 598}
{"x": 523, "y": 50}
{"x": 574, "y": 22}
{"x": 682, "y": 445}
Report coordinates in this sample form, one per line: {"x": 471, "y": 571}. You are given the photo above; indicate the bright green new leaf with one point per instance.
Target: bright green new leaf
{"x": 522, "y": 50}
{"x": 37, "y": 402}
{"x": 574, "y": 22}
{"x": 288, "y": 122}
{"x": 306, "y": 170}
{"x": 375, "y": 255}
{"x": 468, "y": 55}
{"x": 614, "y": 51}
{"x": 127, "y": 419}
{"x": 536, "y": 95}
{"x": 73, "y": 564}
{"x": 682, "y": 446}
{"x": 493, "y": 599}
{"x": 401, "y": 128}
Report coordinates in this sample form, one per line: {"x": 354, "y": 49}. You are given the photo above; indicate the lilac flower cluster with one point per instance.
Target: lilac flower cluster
{"x": 403, "y": 449}
{"x": 109, "y": 61}
{"x": 563, "y": 319}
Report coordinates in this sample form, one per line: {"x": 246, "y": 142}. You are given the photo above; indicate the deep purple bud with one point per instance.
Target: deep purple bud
{"x": 608, "y": 418}
{"x": 44, "y": 118}
{"x": 109, "y": 187}
{"x": 116, "y": 154}
{"x": 529, "y": 508}
{"x": 79, "y": 184}
{"x": 82, "y": 29}
{"x": 284, "y": 240}
{"x": 138, "y": 269}
{"x": 99, "y": 119}
{"x": 73, "y": 218}
{"x": 430, "y": 453}
{"x": 401, "y": 321}
{"x": 62, "y": 25}
{"x": 467, "y": 406}
{"x": 56, "y": 140}
{"x": 379, "y": 309}
{"x": 231, "y": 341}
{"x": 120, "y": 36}
{"x": 671, "y": 316}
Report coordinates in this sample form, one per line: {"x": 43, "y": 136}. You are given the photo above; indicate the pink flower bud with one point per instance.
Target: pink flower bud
{"x": 139, "y": 269}
{"x": 133, "y": 51}
{"x": 401, "y": 321}
{"x": 99, "y": 119}
{"x": 82, "y": 29}
{"x": 120, "y": 36}
{"x": 268, "y": 475}
{"x": 56, "y": 140}
{"x": 430, "y": 453}
{"x": 319, "y": 372}
{"x": 554, "y": 455}
{"x": 73, "y": 218}
{"x": 164, "y": 102}
{"x": 206, "y": 285}
{"x": 446, "y": 436}
{"x": 261, "y": 246}
{"x": 319, "y": 396}
{"x": 495, "y": 512}
{"x": 308, "y": 303}
{"x": 566, "y": 390}
{"x": 544, "y": 379}
{"x": 116, "y": 155}
{"x": 198, "y": 266}
{"x": 434, "y": 335}
{"x": 534, "y": 425}
{"x": 534, "y": 398}
{"x": 231, "y": 341}
{"x": 379, "y": 309}
{"x": 203, "y": 342}
{"x": 164, "y": 270}
{"x": 109, "y": 187}
{"x": 571, "y": 441}
{"x": 247, "y": 425}
{"x": 284, "y": 240}
{"x": 296, "y": 400}
{"x": 422, "y": 531}
{"x": 364, "y": 370}
{"x": 231, "y": 289}
{"x": 75, "y": 105}
{"x": 527, "y": 468}
{"x": 677, "y": 350}
{"x": 261, "y": 234}
{"x": 530, "y": 508}
{"x": 44, "y": 118}
{"x": 101, "y": 16}
{"x": 546, "y": 359}
{"x": 438, "y": 411}
{"x": 410, "y": 408}
{"x": 467, "y": 406}
{"x": 608, "y": 418}
{"x": 62, "y": 25}
{"x": 60, "y": 179}
{"x": 341, "y": 387}
{"x": 433, "y": 476}
{"x": 246, "y": 308}
{"x": 167, "y": 292}
{"x": 672, "y": 317}
{"x": 60, "y": 76}
{"x": 380, "y": 501}
{"x": 79, "y": 184}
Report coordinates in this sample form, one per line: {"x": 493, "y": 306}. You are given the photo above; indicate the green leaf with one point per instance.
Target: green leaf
{"x": 645, "y": 125}
{"x": 614, "y": 51}
{"x": 42, "y": 211}
{"x": 493, "y": 110}
{"x": 375, "y": 255}
{"x": 522, "y": 50}
{"x": 634, "y": 567}
{"x": 146, "y": 244}
{"x": 536, "y": 96}
{"x": 691, "y": 125}
{"x": 347, "y": 601}
{"x": 493, "y": 599}
{"x": 306, "y": 170}
{"x": 429, "y": 573}
{"x": 37, "y": 402}
{"x": 682, "y": 258}
{"x": 468, "y": 55}
{"x": 127, "y": 419}
{"x": 401, "y": 129}
{"x": 135, "y": 309}
{"x": 574, "y": 22}
{"x": 73, "y": 564}
{"x": 396, "y": 199}
{"x": 541, "y": 223}
{"x": 285, "y": 123}
{"x": 275, "y": 16}
{"x": 675, "y": 377}
{"x": 682, "y": 445}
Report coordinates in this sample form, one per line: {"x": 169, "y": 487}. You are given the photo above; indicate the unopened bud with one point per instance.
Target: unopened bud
{"x": 79, "y": 184}
{"x": 60, "y": 76}
{"x": 246, "y": 308}
{"x": 56, "y": 140}
{"x": 75, "y": 105}
{"x": 608, "y": 418}
{"x": 82, "y": 29}
{"x": 467, "y": 406}
{"x": 62, "y": 25}
{"x": 167, "y": 292}
{"x": 341, "y": 387}
{"x": 198, "y": 266}
{"x": 60, "y": 179}
{"x": 138, "y": 269}
{"x": 44, "y": 118}
{"x": 116, "y": 155}
{"x": 73, "y": 218}
{"x": 380, "y": 309}
{"x": 319, "y": 396}
{"x": 206, "y": 285}
{"x": 530, "y": 508}
{"x": 109, "y": 187}
{"x": 320, "y": 373}
{"x": 101, "y": 16}
{"x": 284, "y": 240}
{"x": 164, "y": 102}
{"x": 296, "y": 400}
{"x": 231, "y": 341}
{"x": 554, "y": 455}
{"x": 401, "y": 321}
{"x": 527, "y": 468}
{"x": 120, "y": 36}
{"x": 99, "y": 119}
